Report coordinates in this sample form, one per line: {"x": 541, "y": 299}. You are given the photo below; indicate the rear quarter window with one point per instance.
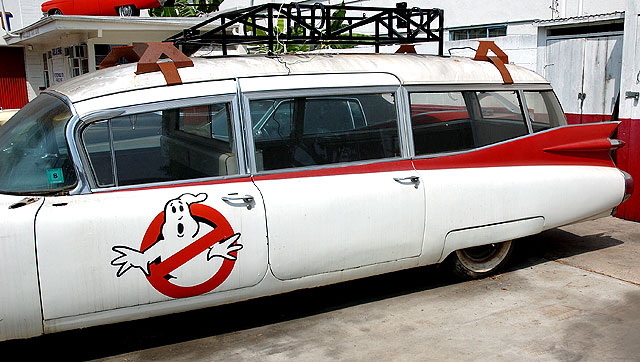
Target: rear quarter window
{"x": 456, "y": 121}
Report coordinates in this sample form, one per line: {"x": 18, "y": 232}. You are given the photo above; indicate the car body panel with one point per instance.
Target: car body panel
{"x": 76, "y": 273}
{"x": 20, "y": 314}
{"x": 348, "y": 221}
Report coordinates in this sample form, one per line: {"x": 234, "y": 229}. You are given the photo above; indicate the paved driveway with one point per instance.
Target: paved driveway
{"x": 572, "y": 294}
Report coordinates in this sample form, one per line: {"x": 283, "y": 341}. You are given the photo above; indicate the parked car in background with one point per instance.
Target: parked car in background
{"x": 99, "y": 7}
{"x": 127, "y": 195}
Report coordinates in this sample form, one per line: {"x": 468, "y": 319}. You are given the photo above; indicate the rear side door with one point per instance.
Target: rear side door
{"x": 329, "y": 162}
{"x": 171, "y": 215}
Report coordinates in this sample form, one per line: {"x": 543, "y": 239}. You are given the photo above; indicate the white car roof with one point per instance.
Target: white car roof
{"x": 408, "y": 68}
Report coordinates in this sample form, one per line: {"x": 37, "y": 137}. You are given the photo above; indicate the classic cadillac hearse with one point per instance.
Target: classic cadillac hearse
{"x": 124, "y": 197}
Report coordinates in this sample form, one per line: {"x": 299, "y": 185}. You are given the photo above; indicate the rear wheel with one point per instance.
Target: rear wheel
{"x": 128, "y": 10}
{"x": 481, "y": 261}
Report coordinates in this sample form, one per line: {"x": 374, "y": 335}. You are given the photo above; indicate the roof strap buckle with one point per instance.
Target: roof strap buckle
{"x": 499, "y": 60}
{"x": 147, "y": 55}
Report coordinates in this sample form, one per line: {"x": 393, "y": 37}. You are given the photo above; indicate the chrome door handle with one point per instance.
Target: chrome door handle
{"x": 415, "y": 180}
{"x": 234, "y": 198}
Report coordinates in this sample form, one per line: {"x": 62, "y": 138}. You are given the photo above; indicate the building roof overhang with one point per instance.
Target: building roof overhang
{"x": 50, "y": 28}
{"x": 613, "y": 17}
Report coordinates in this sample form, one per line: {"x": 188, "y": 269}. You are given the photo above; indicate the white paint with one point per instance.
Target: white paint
{"x": 20, "y": 315}
{"x": 345, "y": 222}
{"x": 74, "y": 261}
{"x": 145, "y": 96}
{"x": 460, "y": 199}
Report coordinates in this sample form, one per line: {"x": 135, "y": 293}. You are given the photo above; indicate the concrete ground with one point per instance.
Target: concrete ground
{"x": 570, "y": 294}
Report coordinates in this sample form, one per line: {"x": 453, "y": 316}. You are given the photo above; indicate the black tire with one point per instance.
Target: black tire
{"x": 128, "y": 10}
{"x": 481, "y": 261}
{"x": 55, "y": 12}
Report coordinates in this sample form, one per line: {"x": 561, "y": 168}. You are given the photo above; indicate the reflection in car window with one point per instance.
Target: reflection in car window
{"x": 308, "y": 131}
{"x": 441, "y": 122}
{"x": 501, "y": 119}
{"x": 544, "y": 110}
{"x": 34, "y": 156}
{"x": 167, "y": 145}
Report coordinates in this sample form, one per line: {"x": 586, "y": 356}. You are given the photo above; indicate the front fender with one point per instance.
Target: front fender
{"x": 20, "y": 309}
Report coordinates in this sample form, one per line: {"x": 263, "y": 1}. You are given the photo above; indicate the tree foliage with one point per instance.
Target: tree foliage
{"x": 186, "y": 8}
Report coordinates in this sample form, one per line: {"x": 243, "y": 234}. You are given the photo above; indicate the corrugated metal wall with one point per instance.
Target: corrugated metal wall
{"x": 13, "y": 82}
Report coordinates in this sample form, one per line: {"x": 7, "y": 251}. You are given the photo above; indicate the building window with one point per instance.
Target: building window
{"x": 479, "y": 32}
{"x": 45, "y": 65}
{"x": 102, "y": 50}
{"x": 78, "y": 60}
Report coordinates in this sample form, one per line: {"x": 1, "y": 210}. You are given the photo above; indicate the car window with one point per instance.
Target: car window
{"x": 161, "y": 146}
{"x": 308, "y": 131}
{"x": 457, "y": 121}
{"x": 34, "y": 155}
{"x": 544, "y": 110}
{"x": 501, "y": 117}
{"x": 440, "y": 122}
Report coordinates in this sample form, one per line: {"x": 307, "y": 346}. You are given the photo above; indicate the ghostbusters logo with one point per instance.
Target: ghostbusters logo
{"x": 188, "y": 249}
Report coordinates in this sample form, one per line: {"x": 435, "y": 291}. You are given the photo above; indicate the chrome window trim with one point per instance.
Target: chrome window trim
{"x": 403, "y": 106}
{"x": 525, "y": 110}
{"x": 82, "y": 184}
{"x": 320, "y": 92}
{"x": 476, "y": 87}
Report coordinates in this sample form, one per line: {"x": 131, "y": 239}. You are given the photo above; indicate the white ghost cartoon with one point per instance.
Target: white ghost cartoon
{"x": 179, "y": 229}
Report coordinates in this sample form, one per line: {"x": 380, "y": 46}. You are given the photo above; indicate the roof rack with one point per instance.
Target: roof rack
{"x": 316, "y": 24}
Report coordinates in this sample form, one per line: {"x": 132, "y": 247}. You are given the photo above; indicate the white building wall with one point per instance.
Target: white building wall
{"x": 24, "y": 12}
{"x": 630, "y": 107}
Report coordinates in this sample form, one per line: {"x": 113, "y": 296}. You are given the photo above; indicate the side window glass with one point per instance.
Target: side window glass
{"x": 501, "y": 117}
{"x": 308, "y": 131}
{"x": 440, "y": 122}
{"x": 161, "y": 146}
{"x": 544, "y": 110}
{"x": 98, "y": 145}
{"x": 207, "y": 121}
{"x": 272, "y": 119}
{"x": 136, "y": 145}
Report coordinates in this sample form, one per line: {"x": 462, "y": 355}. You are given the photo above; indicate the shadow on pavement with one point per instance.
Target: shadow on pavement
{"x": 557, "y": 244}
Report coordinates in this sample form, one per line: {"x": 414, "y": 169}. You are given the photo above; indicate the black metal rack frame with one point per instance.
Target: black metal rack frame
{"x": 317, "y": 24}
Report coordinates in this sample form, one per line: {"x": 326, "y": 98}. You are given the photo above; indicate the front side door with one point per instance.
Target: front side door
{"x": 337, "y": 191}
{"x": 175, "y": 220}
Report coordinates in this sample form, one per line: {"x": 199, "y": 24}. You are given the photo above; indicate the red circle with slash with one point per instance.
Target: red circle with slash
{"x": 158, "y": 271}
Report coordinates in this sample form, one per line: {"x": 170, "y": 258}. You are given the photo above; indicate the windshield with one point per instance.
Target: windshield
{"x": 34, "y": 156}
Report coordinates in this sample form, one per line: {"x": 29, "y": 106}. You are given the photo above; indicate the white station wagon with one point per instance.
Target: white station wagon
{"x": 123, "y": 197}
